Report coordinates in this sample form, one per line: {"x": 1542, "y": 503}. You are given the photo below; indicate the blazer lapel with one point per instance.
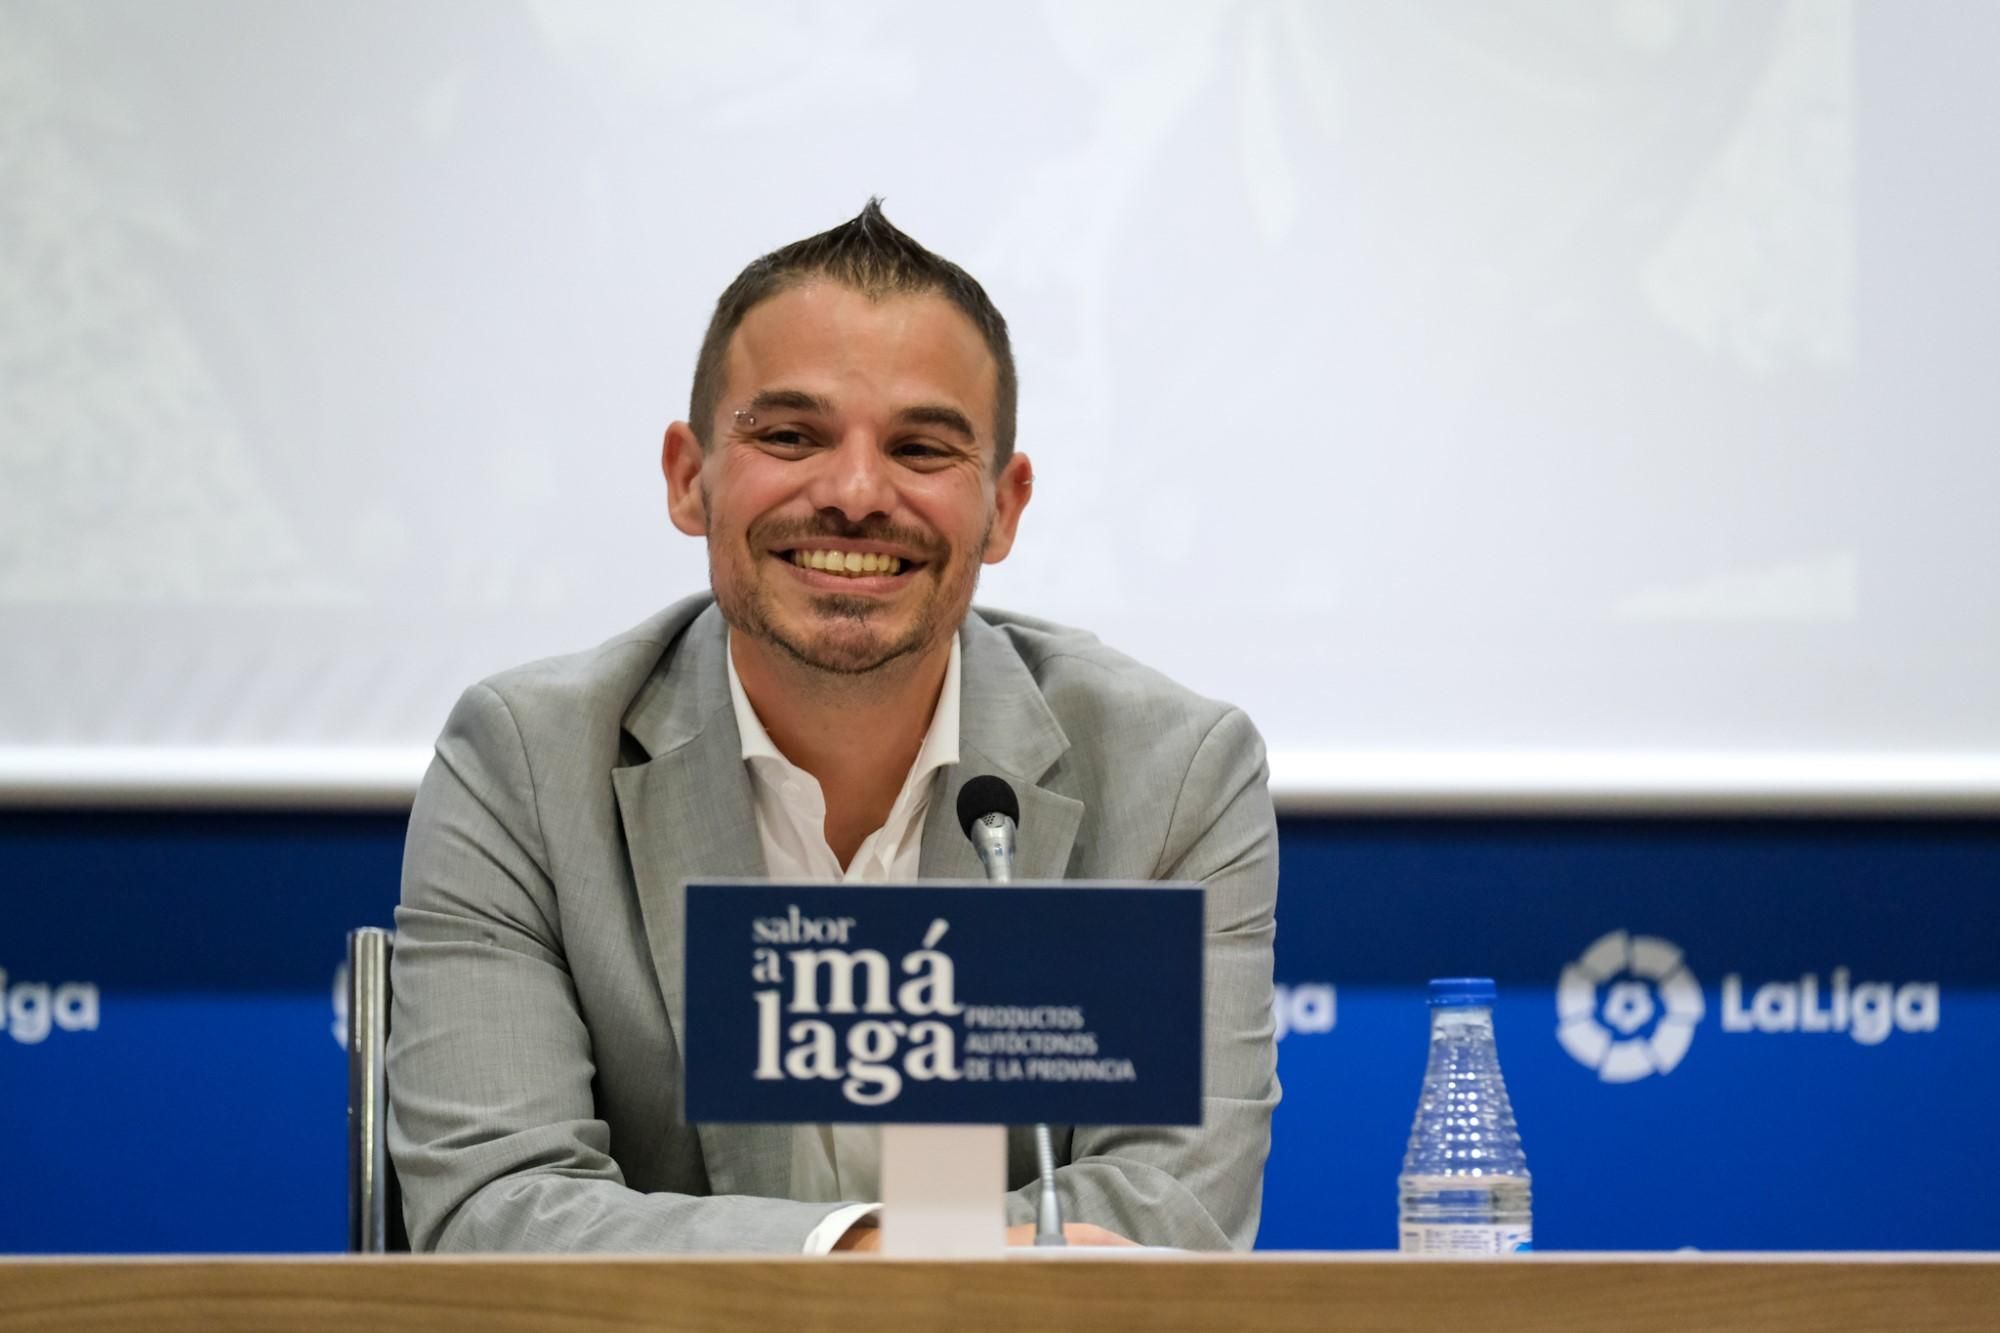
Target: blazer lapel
{"x": 688, "y": 814}
{"x": 1005, "y": 730}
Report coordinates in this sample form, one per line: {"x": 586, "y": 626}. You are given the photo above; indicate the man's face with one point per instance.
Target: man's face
{"x": 848, "y": 493}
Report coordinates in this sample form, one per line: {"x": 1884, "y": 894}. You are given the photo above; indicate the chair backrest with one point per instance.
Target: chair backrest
{"x": 374, "y": 1204}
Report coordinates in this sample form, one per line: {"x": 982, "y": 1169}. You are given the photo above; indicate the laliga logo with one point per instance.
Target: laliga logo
{"x": 1628, "y": 1007}
{"x": 28, "y": 1009}
{"x": 1867, "y": 1011}
{"x": 808, "y": 1047}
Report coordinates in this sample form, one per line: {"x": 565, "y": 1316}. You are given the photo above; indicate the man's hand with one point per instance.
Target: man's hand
{"x": 862, "y": 1238}
{"x": 867, "y": 1237}
{"x": 1076, "y": 1233}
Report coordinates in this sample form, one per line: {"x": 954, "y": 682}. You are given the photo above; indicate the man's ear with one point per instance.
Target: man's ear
{"x": 681, "y": 459}
{"x": 1012, "y": 490}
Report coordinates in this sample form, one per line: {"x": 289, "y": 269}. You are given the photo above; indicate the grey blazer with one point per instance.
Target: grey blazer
{"x": 533, "y": 1061}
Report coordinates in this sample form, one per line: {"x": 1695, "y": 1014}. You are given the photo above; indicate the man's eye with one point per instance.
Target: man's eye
{"x": 921, "y": 451}
{"x": 787, "y": 439}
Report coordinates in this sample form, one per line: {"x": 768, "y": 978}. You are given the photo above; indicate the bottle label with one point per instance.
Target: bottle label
{"x": 1455, "y": 1240}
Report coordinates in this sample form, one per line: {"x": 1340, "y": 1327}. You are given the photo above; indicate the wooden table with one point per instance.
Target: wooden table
{"x": 1551, "y": 1293}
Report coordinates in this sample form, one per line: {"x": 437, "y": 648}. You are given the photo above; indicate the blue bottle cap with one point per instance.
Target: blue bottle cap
{"x": 1460, "y": 991}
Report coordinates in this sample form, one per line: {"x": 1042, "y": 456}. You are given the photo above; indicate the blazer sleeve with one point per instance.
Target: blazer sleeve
{"x": 492, "y": 1123}
{"x": 1202, "y": 1188}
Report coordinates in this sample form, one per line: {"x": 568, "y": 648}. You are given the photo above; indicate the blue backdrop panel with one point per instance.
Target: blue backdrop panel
{"x": 1750, "y": 1139}
{"x": 170, "y": 1077}
{"x": 206, "y": 1109}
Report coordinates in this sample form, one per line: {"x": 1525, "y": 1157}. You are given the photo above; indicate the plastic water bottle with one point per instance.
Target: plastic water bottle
{"x": 1465, "y": 1185}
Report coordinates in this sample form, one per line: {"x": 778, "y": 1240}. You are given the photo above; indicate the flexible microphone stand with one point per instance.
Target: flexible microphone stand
{"x": 989, "y": 812}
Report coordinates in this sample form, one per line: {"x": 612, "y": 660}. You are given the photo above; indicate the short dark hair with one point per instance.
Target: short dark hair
{"x": 872, "y": 256}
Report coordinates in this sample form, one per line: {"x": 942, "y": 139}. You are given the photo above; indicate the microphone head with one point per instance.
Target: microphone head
{"x": 986, "y": 795}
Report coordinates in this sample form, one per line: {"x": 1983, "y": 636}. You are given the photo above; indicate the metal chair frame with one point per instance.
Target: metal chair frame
{"x": 374, "y": 1203}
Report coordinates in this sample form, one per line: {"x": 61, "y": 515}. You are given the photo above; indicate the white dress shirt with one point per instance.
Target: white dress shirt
{"x": 834, "y": 1162}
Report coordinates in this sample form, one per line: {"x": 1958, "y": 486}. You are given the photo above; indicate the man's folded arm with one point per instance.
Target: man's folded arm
{"x": 492, "y": 1124}
{"x": 1202, "y": 1188}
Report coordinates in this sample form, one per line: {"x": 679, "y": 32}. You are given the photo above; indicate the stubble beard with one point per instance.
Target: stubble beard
{"x": 846, "y": 654}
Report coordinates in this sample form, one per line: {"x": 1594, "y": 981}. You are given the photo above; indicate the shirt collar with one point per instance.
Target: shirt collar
{"x": 939, "y": 750}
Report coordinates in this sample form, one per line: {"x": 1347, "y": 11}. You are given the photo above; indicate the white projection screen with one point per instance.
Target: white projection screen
{"x": 1584, "y": 402}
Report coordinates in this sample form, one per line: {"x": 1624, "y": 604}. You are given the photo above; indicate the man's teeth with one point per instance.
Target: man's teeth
{"x": 848, "y": 562}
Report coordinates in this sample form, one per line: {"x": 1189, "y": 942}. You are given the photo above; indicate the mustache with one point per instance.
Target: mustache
{"x": 795, "y": 532}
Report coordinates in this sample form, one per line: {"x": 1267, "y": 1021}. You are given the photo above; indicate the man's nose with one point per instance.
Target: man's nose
{"x": 855, "y": 479}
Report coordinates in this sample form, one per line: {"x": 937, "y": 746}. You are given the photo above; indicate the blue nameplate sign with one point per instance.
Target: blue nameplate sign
{"x": 945, "y": 1002}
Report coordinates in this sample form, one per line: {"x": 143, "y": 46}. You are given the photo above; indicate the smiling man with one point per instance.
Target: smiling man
{"x": 849, "y": 459}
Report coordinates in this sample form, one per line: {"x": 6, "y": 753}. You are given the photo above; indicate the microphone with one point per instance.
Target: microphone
{"x": 989, "y": 812}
